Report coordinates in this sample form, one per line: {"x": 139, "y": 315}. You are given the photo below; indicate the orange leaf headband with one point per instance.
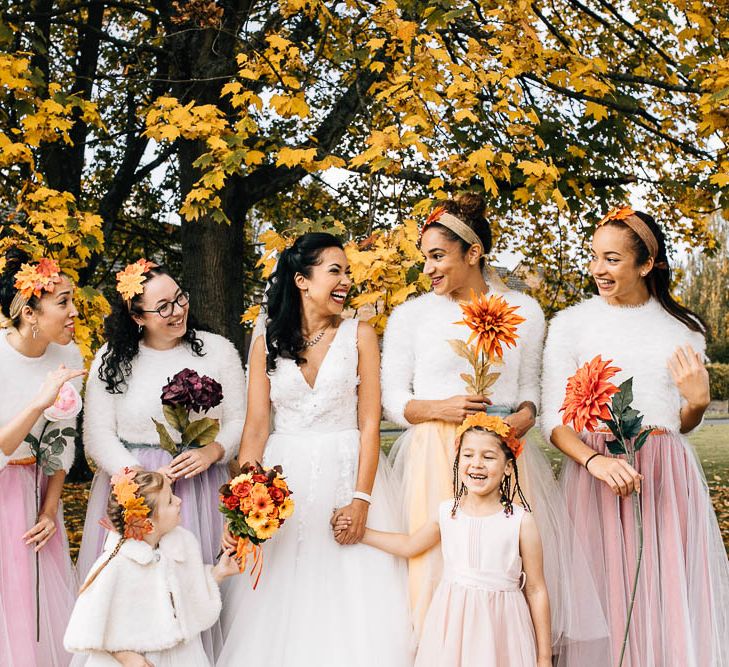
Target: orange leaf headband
{"x": 32, "y": 280}
{"x": 456, "y": 225}
{"x": 130, "y": 281}
{"x": 627, "y": 216}
{"x": 136, "y": 510}
{"x": 494, "y": 424}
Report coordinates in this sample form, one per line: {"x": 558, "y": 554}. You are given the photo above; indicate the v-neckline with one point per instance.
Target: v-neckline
{"x": 312, "y": 387}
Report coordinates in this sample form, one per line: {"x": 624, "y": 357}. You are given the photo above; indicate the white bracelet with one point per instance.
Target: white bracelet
{"x": 361, "y": 495}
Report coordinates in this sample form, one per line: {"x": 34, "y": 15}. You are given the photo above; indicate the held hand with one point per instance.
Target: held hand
{"x": 521, "y": 421}
{"x": 194, "y": 461}
{"x": 456, "y": 408}
{"x": 618, "y": 474}
{"x": 226, "y": 567}
{"x": 691, "y": 377}
{"x": 39, "y": 534}
{"x": 54, "y": 381}
{"x": 340, "y": 524}
{"x": 356, "y": 513}
{"x": 228, "y": 540}
{"x": 131, "y": 659}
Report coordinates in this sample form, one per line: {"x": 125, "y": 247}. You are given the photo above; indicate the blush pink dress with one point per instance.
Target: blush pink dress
{"x": 479, "y": 615}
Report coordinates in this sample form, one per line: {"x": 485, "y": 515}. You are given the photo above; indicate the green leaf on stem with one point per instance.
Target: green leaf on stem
{"x": 165, "y": 441}
{"x": 176, "y": 417}
{"x": 615, "y": 447}
{"x": 51, "y": 435}
{"x": 69, "y": 432}
{"x": 641, "y": 439}
{"x": 201, "y": 431}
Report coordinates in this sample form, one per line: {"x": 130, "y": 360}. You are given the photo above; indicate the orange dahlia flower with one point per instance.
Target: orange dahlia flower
{"x": 588, "y": 394}
{"x": 492, "y": 321}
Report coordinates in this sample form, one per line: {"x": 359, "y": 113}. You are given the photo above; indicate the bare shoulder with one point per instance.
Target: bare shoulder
{"x": 366, "y": 333}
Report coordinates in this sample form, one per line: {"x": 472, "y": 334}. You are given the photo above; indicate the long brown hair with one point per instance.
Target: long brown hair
{"x": 658, "y": 280}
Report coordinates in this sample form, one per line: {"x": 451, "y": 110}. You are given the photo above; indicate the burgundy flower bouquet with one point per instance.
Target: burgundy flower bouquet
{"x": 185, "y": 393}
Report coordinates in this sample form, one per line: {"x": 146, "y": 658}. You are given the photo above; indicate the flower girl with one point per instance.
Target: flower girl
{"x": 149, "y": 596}
{"x": 491, "y": 607}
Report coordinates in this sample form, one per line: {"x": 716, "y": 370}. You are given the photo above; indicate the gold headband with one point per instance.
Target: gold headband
{"x": 456, "y": 225}
{"x": 627, "y": 216}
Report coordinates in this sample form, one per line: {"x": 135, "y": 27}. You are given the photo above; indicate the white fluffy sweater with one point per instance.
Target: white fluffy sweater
{"x": 639, "y": 340}
{"x": 145, "y": 599}
{"x": 23, "y": 377}
{"x": 111, "y": 418}
{"x": 418, "y": 362}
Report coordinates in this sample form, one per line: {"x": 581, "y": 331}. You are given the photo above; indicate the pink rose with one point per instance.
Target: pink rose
{"x": 66, "y": 406}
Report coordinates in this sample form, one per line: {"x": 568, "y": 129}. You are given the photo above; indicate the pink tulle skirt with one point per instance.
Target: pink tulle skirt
{"x": 681, "y": 614}
{"x": 468, "y": 626}
{"x": 58, "y": 583}
{"x": 200, "y": 515}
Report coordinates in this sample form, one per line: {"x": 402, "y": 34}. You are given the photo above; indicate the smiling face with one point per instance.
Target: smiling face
{"x": 328, "y": 283}
{"x": 448, "y": 268}
{"x": 55, "y": 315}
{"x": 162, "y": 331}
{"x": 482, "y": 463}
{"x": 618, "y": 276}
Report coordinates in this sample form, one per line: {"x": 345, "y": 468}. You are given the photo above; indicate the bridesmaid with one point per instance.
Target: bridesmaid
{"x": 681, "y": 615}
{"x": 151, "y": 336}
{"x": 423, "y": 391}
{"x": 37, "y": 356}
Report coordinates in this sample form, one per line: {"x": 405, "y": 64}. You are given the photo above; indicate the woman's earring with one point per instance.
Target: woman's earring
{"x": 306, "y": 293}
{"x": 34, "y": 329}
{"x": 139, "y": 328}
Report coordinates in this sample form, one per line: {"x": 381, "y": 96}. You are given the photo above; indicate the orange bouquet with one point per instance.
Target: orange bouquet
{"x": 256, "y": 503}
{"x": 493, "y": 323}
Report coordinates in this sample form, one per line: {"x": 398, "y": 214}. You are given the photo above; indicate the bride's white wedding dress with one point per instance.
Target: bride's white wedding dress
{"x": 318, "y": 603}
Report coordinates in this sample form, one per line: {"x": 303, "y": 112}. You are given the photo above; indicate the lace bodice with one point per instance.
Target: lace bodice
{"x": 331, "y": 404}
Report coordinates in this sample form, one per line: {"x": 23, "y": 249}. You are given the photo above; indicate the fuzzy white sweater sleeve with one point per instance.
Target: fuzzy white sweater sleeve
{"x": 101, "y": 441}
{"x": 560, "y": 362}
{"x": 530, "y": 359}
{"x": 398, "y": 363}
{"x": 234, "y": 406}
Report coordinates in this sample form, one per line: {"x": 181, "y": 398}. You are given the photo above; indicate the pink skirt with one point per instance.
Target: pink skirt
{"x": 470, "y": 627}
{"x": 681, "y": 614}
{"x": 58, "y": 583}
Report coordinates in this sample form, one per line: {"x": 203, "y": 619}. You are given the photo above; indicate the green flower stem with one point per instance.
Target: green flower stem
{"x": 638, "y": 517}
{"x": 37, "y": 453}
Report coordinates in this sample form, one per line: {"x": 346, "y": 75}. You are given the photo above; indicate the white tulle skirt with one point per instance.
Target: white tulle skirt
{"x": 422, "y": 460}
{"x": 318, "y": 603}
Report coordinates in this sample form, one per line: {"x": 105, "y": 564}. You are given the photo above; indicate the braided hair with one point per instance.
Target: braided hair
{"x": 509, "y": 491}
{"x": 150, "y": 484}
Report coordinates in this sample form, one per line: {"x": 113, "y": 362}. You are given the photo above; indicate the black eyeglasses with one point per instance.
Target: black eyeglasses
{"x": 168, "y": 307}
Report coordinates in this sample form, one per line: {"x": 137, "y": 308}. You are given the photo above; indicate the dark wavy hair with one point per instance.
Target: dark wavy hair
{"x": 658, "y": 280}
{"x": 123, "y": 336}
{"x": 14, "y": 258}
{"x": 470, "y": 208}
{"x": 283, "y": 308}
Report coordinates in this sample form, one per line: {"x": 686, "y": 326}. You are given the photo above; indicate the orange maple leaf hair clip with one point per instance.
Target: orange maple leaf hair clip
{"x": 130, "y": 281}
{"x": 36, "y": 278}
{"x": 135, "y": 508}
{"x": 616, "y": 213}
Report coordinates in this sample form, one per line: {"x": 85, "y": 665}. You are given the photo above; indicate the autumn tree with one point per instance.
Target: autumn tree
{"x": 230, "y": 113}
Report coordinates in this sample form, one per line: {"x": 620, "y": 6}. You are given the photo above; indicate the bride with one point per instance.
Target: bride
{"x": 318, "y": 603}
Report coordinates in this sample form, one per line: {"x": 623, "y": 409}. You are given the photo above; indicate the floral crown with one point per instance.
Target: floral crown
{"x": 616, "y": 213}
{"x": 135, "y": 508}
{"x": 130, "y": 281}
{"x": 32, "y": 279}
{"x": 494, "y": 424}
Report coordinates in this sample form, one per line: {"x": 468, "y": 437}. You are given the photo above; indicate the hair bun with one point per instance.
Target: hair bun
{"x": 14, "y": 258}
{"x": 472, "y": 205}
